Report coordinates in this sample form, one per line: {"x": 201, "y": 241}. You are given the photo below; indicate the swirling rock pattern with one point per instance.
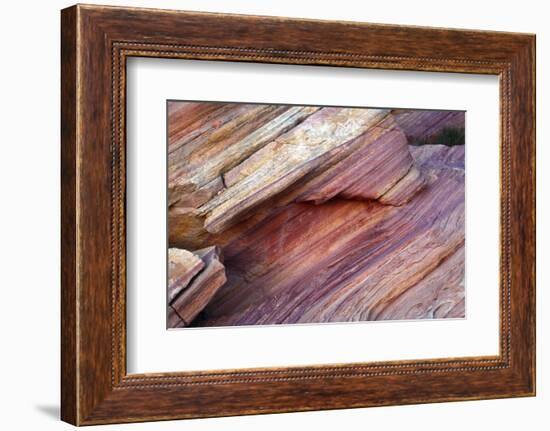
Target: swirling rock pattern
{"x": 322, "y": 214}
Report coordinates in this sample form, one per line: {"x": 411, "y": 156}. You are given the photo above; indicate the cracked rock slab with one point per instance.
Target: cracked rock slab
{"x": 194, "y": 294}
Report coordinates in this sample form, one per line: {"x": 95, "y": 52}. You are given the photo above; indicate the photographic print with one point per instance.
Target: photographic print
{"x": 286, "y": 214}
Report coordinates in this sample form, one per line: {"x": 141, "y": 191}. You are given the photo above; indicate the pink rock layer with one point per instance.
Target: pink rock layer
{"x": 363, "y": 228}
{"x": 349, "y": 261}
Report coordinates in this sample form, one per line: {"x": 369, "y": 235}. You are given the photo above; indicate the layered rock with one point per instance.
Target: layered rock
{"x": 182, "y": 267}
{"x": 323, "y": 214}
{"x": 439, "y": 295}
{"x": 344, "y": 260}
{"x": 194, "y": 278}
{"x": 212, "y": 144}
{"x": 367, "y": 158}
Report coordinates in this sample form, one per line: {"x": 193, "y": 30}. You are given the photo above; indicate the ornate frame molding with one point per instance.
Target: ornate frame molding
{"x": 96, "y": 41}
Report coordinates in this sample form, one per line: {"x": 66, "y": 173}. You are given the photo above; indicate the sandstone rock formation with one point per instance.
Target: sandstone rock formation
{"x": 194, "y": 278}
{"x": 322, "y": 214}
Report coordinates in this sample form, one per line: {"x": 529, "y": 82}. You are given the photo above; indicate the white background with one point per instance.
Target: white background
{"x": 29, "y": 228}
{"x": 151, "y": 348}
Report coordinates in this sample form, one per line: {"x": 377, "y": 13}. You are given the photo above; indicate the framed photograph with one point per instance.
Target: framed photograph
{"x": 264, "y": 214}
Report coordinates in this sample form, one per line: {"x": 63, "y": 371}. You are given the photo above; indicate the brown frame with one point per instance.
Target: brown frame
{"x": 95, "y": 43}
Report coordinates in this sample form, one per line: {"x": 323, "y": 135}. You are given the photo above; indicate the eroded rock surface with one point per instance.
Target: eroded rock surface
{"x": 322, "y": 214}
{"x": 194, "y": 278}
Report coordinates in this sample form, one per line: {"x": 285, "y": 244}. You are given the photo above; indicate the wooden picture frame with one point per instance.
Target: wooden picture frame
{"x": 96, "y": 41}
